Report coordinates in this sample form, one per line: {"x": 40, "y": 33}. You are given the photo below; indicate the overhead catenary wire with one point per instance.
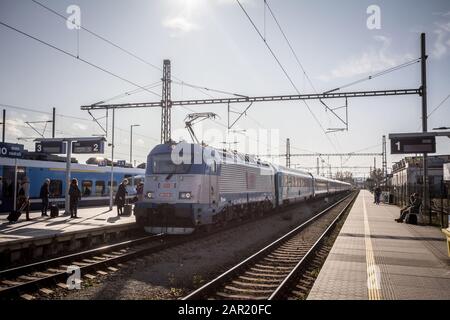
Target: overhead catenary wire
{"x": 284, "y": 71}
{"x": 378, "y": 74}
{"x": 77, "y": 58}
{"x": 209, "y": 89}
{"x": 439, "y": 105}
{"x": 121, "y": 48}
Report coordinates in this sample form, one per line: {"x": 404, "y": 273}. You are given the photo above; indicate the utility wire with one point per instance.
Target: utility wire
{"x": 209, "y": 89}
{"x": 285, "y": 72}
{"x": 128, "y": 52}
{"x": 290, "y": 46}
{"x": 129, "y": 93}
{"x": 438, "y": 106}
{"x": 381, "y": 73}
{"x": 77, "y": 58}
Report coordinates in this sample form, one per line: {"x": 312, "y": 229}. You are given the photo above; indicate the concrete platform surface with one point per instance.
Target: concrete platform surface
{"x": 376, "y": 258}
{"x": 89, "y": 219}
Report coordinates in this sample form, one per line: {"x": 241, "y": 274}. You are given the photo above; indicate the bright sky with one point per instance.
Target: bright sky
{"x": 212, "y": 43}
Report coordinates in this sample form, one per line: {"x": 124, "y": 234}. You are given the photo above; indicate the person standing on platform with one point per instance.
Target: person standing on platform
{"x": 44, "y": 195}
{"x": 377, "y": 194}
{"x": 140, "y": 191}
{"x": 75, "y": 196}
{"x": 24, "y": 197}
{"x": 121, "y": 196}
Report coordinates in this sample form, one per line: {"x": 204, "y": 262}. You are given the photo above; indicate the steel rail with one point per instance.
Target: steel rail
{"x": 224, "y": 277}
{"x": 290, "y": 278}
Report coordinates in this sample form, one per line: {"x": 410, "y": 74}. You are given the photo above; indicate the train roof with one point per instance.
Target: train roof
{"x": 233, "y": 156}
{"x": 62, "y": 166}
{"x": 293, "y": 171}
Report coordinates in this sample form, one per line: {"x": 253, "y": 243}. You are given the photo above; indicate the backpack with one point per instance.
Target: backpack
{"x": 411, "y": 218}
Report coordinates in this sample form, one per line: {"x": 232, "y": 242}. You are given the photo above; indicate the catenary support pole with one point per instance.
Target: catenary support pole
{"x": 423, "y": 56}
{"x": 111, "y": 187}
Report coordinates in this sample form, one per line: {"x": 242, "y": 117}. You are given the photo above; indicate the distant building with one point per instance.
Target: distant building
{"x": 407, "y": 176}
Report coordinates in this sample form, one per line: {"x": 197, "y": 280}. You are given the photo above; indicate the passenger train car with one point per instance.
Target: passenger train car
{"x": 94, "y": 181}
{"x": 212, "y": 186}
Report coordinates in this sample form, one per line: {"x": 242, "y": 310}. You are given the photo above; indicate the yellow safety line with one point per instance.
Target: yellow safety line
{"x": 373, "y": 271}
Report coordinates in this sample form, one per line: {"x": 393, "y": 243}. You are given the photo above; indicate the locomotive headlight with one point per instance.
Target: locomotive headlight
{"x": 150, "y": 195}
{"x": 185, "y": 195}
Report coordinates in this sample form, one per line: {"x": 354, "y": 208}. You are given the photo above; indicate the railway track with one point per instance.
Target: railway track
{"x": 273, "y": 271}
{"x": 41, "y": 276}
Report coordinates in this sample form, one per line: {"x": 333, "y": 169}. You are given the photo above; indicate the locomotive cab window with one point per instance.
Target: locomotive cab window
{"x": 163, "y": 164}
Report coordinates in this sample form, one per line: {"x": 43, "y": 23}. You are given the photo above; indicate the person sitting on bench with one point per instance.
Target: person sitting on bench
{"x": 415, "y": 203}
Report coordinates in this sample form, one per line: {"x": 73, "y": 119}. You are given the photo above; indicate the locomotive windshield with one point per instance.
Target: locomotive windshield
{"x": 162, "y": 163}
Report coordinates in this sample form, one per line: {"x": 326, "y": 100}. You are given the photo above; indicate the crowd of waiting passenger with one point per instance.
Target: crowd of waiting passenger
{"x": 23, "y": 199}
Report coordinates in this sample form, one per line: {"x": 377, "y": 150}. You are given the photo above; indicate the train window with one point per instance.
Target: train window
{"x": 100, "y": 189}
{"x": 86, "y": 188}
{"x": 114, "y": 185}
{"x": 55, "y": 188}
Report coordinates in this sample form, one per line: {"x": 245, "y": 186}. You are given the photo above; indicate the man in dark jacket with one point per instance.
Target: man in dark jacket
{"x": 121, "y": 196}
{"x": 75, "y": 196}
{"x": 44, "y": 195}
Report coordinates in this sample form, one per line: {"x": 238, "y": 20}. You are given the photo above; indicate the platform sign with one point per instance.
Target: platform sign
{"x": 94, "y": 146}
{"x": 52, "y": 147}
{"x": 11, "y": 150}
{"x": 121, "y": 163}
{"x": 420, "y": 144}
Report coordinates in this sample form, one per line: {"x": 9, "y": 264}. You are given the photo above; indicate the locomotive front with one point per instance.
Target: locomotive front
{"x": 179, "y": 193}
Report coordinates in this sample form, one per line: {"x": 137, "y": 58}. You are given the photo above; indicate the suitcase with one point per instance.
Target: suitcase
{"x": 127, "y": 210}
{"x": 54, "y": 210}
{"x": 14, "y": 216}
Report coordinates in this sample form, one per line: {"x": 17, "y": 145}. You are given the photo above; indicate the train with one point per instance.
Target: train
{"x": 94, "y": 181}
{"x": 189, "y": 187}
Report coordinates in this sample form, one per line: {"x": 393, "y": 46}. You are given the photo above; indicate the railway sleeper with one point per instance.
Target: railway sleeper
{"x": 259, "y": 292}
{"x": 265, "y": 266}
{"x": 259, "y": 279}
{"x": 254, "y": 284}
{"x": 267, "y": 275}
{"x": 239, "y": 297}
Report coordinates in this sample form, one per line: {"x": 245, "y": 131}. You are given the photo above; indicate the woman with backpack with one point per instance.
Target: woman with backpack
{"x": 75, "y": 196}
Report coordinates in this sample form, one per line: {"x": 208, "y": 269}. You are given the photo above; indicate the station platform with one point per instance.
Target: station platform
{"x": 376, "y": 258}
{"x": 94, "y": 222}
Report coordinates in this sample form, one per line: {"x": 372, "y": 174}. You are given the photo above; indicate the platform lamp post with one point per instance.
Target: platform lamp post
{"x": 131, "y": 141}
